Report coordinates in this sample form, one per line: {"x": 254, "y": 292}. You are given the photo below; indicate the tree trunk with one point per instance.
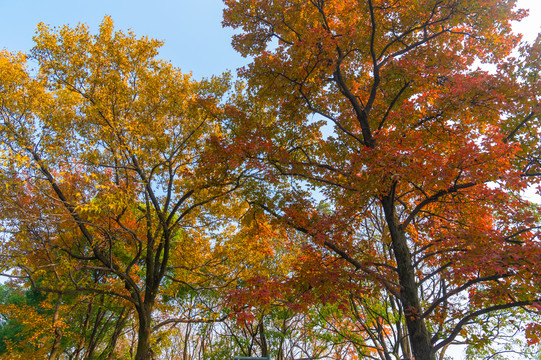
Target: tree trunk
{"x": 144, "y": 351}
{"x": 116, "y": 334}
{"x": 187, "y": 334}
{"x": 55, "y": 349}
{"x": 82, "y": 340}
{"x": 262, "y": 337}
{"x": 418, "y": 333}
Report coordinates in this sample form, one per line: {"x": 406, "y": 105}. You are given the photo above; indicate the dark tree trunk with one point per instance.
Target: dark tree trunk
{"x": 263, "y": 338}
{"x": 110, "y": 351}
{"x": 418, "y": 333}
{"x": 144, "y": 350}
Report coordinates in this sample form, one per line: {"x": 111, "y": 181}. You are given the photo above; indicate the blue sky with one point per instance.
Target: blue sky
{"x": 194, "y": 38}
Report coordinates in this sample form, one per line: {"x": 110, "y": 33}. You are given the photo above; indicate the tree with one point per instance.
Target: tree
{"x": 113, "y": 178}
{"x": 24, "y": 326}
{"x": 380, "y": 108}
{"x": 36, "y": 324}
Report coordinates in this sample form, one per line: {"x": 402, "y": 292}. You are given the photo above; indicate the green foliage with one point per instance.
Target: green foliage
{"x": 13, "y": 331}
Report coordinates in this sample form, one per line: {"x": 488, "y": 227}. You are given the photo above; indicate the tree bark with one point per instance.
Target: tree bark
{"x": 418, "y": 333}
{"x": 144, "y": 350}
{"x": 55, "y": 349}
{"x": 263, "y": 338}
{"x": 116, "y": 334}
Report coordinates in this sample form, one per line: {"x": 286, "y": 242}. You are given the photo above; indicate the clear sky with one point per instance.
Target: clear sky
{"x": 191, "y": 29}
{"x": 194, "y": 38}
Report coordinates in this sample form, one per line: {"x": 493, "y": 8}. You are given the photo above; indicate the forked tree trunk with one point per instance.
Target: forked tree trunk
{"x": 418, "y": 333}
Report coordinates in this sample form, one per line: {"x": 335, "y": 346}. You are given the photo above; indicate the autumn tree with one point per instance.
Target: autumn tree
{"x": 24, "y": 326}
{"x": 383, "y": 110}
{"x": 113, "y": 180}
{"x": 45, "y": 325}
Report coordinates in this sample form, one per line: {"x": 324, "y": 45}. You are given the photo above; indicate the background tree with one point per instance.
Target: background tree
{"x": 380, "y": 107}
{"x": 41, "y": 325}
{"x": 112, "y": 174}
{"x": 25, "y": 328}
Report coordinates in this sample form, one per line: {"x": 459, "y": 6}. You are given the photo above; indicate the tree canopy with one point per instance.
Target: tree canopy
{"x": 357, "y": 194}
{"x": 112, "y": 171}
{"x": 383, "y": 107}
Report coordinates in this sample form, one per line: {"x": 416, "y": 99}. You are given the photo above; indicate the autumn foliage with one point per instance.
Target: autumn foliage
{"x": 107, "y": 176}
{"x": 381, "y": 107}
{"x": 358, "y": 194}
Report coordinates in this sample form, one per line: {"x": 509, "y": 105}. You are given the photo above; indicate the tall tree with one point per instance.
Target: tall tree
{"x": 112, "y": 174}
{"x": 380, "y": 107}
